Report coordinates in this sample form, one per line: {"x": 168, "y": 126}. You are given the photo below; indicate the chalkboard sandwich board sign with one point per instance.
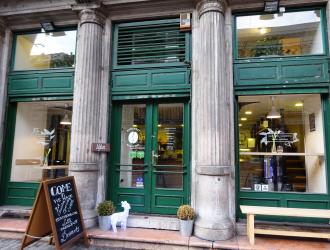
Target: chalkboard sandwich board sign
{"x": 56, "y": 211}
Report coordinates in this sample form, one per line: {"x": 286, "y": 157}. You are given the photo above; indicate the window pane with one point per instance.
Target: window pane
{"x": 132, "y": 150}
{"x": 45, "y": 50}
{"x": 282, "y": 34}
{"x": 285, "y": 153}
{"x": 41, "y": 143}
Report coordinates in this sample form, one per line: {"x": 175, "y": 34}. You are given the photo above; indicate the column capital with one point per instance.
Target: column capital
{"x": 204, "y": 6}
{"x": 92, "y": 16}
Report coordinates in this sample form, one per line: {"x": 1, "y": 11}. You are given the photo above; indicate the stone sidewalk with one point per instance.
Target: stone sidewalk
{"x": 12, "y": 244}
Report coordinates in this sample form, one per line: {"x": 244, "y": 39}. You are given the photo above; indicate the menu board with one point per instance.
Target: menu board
{"x": 65, "y": 209}
{"x": 56, "y": 211}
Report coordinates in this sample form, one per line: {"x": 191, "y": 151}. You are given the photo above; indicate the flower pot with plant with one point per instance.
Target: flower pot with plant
{"x": 186, "y": 215}
{"x": 104, "y": 211}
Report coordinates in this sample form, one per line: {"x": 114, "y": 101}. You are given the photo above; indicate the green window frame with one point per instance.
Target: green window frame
{"x": 285, "y": 199}
{"x": 36, "y": 31}
{"x": 122, "y": 49}
{"x": 288, "y": 10}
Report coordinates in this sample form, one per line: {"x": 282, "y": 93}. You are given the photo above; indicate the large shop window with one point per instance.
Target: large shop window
{"x": 282, "y": 34}
{"x": 42, "y": 141}
{"x": 45, "y": 50}
{"x": 281, "y": 144}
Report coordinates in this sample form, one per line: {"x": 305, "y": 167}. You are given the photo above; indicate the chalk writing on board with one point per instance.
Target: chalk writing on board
{"x": 65, "y": 210}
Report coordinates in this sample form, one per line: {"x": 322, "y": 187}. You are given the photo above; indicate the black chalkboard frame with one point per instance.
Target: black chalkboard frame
{"x": 83, "y": 233}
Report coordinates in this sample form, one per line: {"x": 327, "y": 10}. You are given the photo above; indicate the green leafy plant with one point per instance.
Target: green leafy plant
{"x": 105, "y": 208}
{"x": 185, "y": 212}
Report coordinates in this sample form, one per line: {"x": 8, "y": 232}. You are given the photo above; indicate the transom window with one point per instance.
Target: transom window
{"x": 281, "y": 34}
{"x": 45, "y": 50}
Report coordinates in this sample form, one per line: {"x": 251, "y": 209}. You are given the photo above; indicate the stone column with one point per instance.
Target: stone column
{"x": 86, "y": 110}
{"x": 211, "y": 124}
{"x": 5, "y": 49}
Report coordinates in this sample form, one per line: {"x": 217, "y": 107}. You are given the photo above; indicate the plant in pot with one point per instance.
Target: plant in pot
{"x": 104, "y": 211}
{"x": 186, "y": 215}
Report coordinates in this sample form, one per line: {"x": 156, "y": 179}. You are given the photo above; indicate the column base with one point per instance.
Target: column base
{"x": 221, "y": 231}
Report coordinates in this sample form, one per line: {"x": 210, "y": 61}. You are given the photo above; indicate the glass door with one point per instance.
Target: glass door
{"x": 150, "y": 156}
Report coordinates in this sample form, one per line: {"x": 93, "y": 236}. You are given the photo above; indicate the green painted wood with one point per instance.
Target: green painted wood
{"x": 43, "y": 82}
{"x": 151, "y": 81}
{"x": 148, "y": 199}
{"x": 5, "y": 164}
{"x": 157, "y": 43}
{"x": 285, "y": 71}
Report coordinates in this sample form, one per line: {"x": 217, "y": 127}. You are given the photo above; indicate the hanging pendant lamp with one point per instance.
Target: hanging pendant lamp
{"x": 273, "y": 114}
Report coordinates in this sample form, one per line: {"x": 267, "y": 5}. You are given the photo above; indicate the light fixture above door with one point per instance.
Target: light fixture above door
{"x": 273, "y": 114}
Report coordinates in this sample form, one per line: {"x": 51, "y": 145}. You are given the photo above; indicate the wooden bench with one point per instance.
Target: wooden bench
{"x": 251, "y": 211}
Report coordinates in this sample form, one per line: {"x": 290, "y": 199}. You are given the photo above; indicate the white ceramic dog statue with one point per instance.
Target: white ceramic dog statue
{"x": 120, "y": 217}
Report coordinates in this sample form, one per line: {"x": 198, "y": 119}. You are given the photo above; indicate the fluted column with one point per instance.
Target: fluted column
{"x": 5, "y": 49}
{"x": 86, "y": 110}
{"x": 212, "y": 102}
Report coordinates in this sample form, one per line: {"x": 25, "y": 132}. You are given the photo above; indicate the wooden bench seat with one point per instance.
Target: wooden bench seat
{"x": 251, "y": 211}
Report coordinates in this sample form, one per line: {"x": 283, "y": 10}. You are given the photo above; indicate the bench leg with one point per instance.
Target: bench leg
{"x": 250, "y": 228}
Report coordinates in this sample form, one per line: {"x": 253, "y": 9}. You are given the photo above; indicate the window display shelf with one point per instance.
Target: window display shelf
{"x": 281, "y": 154}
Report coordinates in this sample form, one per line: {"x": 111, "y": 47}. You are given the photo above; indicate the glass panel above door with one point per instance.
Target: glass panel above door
{"x": 45, "y": 50}
{"x": 132, "y": 146}
{"x": 42, "y": 141}
{"x": 280, "y": 34}
{"x": 281, "y": 143}
{"x": 170, "y": 151}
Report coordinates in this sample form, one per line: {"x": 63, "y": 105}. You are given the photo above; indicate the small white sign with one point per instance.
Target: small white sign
{"x": 257, "y": 187}
{"x": 264, "y": 187}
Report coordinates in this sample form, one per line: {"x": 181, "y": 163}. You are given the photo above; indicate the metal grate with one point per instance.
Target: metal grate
{"x": 156, "y": 43}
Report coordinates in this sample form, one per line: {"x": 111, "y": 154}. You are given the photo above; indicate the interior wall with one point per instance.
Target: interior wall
{"x": 314, "y": 143}
{"x": 317, "y": 41}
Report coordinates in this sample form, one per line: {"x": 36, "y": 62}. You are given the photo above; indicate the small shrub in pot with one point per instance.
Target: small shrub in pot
{"x": 186, "y": 215}
{"x": 104, "y": 211}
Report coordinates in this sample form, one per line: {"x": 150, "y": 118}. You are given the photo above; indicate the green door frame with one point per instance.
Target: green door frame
{"x": 145, "y": 199}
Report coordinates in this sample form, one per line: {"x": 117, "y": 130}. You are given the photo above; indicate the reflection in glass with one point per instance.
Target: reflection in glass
{"x": 132, "y": 151}
{"x": 41, "y": 144}
{"x": 45, "y": 50}
{"x": 282, "y": 34}
{"x": 170, "y": 151}
{"x": 284, "y": 154}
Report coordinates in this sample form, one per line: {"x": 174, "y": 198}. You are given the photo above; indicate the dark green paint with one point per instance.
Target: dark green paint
{"x": 309, "y": 69}
{"x": 43, "y": 82}
{"x": 149, "y": 199}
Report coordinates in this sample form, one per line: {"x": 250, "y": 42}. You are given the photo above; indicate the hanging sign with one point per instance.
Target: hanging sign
{"x": 56, "y": 211}
{"x": 100, "y": 147}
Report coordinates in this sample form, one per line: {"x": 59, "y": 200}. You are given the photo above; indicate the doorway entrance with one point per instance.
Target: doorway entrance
{"x": 149, "y": 164}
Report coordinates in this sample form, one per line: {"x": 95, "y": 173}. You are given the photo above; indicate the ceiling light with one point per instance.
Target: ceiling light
{"x": 263, "y": 31}
{"x": 299, "y": 104}
{"x": 248, "y": 112}
{"x": 65, "y": 120}
{"x": 48, "y": 26}
{"x": 271, "y": 6}
{"x": 273, "y": 114}
{"x": 240, "y": 125}
{"x": 243, "y": 119}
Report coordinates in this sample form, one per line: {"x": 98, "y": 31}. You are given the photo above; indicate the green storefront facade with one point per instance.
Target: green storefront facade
{"x": 231, "y": 111}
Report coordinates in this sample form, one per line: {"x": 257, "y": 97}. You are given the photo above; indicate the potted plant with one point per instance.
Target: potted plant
{"x": 186, "y": 215}
{"x": 104, "y": 211}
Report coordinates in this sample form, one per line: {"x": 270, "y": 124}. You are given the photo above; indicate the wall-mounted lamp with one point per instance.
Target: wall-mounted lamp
{"x": 271, "y": 6}
{"x": 48, "y": 26}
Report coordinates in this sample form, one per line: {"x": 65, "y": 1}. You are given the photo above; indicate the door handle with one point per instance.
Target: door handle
{"x": 154, "y": 157}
